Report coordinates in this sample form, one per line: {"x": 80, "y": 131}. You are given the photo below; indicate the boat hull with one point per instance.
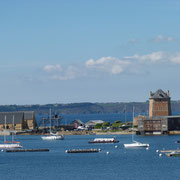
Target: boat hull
{"x": 57, "y": 137}
{"x": 10, "y": 146}
{"x": 134, "y": 145}
{"x": 103, "y": 141}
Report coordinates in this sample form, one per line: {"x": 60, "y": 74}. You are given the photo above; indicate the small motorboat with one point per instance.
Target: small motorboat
{"x": 53, "y": 137}
{"x": 135, "y": 144}
{"x": 10, "y": 146}
{"x": 104, "y": 140}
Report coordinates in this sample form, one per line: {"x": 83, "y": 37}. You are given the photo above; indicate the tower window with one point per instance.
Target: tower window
{"x": 166, "y": 107}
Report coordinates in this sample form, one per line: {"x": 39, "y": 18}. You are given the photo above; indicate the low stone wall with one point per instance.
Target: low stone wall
{"x": 2, "y": 133}
{"x": 173, "y": 132}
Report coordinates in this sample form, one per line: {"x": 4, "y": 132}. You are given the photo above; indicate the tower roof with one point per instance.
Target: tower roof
{"x": 159, "y": 94}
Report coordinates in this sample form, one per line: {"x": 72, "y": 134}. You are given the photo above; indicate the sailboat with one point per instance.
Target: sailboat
{"x": 134, "y": 143}
{"x": 52, "y": 136}
{"x": 9, "y": 145}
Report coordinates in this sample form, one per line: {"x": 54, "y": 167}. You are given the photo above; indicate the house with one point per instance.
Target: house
{"x": 18, "y": 120}
{"x": 76, "y": 123}
{"x": 91, "y": 124}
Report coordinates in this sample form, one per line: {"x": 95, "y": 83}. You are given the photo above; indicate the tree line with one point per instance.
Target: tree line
{"x": 86, "y": 107}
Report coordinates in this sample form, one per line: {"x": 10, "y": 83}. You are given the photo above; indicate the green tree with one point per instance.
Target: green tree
{"x": 98, "y": 126}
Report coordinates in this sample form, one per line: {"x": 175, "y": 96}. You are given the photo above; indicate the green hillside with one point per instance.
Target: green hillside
{"x": 86, "y": 108}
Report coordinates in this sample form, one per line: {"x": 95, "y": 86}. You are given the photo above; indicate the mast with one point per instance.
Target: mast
{"x": 50, "y": 119}
{"x": 5, "y": 129}
{"x": 133, "y": 120}
{"x": 125, "y": 114}
{"x": 13, "y": 131}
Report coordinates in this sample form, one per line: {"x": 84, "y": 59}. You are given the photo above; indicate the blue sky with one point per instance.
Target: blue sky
{"x": 66, "y": 51}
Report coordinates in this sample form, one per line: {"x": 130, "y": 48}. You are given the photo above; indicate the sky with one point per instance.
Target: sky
{"x": 66, "y": 51}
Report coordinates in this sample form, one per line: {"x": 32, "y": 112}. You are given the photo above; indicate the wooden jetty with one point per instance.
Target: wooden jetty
{"x": 83, "y": 150}
{"x": 173, "y": 154}
{"x": 26, "y": 150}
{"x": 170, "y": 151}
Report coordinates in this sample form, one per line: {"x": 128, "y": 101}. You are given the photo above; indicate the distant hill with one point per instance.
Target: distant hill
{"x": 86, "y": 108}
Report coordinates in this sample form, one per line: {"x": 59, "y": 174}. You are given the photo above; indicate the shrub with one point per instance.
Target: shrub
{"x": 98, "y": 126}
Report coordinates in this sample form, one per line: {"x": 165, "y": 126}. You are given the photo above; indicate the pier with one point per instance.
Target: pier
{"x": 170, "y": 151}
{"x": 83, "y": 150}
{"x": 27, "y": 150}
{"x": 173, "y": 154}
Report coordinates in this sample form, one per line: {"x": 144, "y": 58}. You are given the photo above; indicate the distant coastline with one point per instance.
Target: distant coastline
{"x": 86, "y": 108}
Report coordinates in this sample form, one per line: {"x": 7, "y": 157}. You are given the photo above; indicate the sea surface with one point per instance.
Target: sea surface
{"x": 120, "y": 163}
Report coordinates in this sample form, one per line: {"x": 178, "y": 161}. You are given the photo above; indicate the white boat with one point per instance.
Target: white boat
{"x": 104, "y": 140}
{"x": 52, "y": 136}
{"x": 10, "y": 146}
{"x": 7, "y": 144}
{"x": 135, "y": 144}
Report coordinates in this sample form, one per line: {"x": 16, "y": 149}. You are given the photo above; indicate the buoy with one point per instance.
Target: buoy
{"x": 160, "y": 154}
{"x": 116, "y": 146}
{"x": 2, "y": 150}
{"x": 147, "y": 148}
{"x": 107, "y": 153}
{"x": 66, "y": 151}
{"x": 157, "y": 150}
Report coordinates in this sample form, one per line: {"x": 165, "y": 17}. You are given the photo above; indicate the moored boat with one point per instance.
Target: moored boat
{"x": 104, "y": 140}
{"x": 53, "y": 137}
{"x": 10, "y": 146}
{"x": 135, "y": 144}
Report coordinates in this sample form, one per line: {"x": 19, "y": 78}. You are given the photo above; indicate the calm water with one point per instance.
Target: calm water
{"x": 121, "y": 163}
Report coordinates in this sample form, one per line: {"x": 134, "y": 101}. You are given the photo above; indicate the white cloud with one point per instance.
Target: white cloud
{"x": 160, "y": 38}
{"x": 56, "y": 72}
{"x": 108, "y": 64}
{"x": 157, "y": 57}
{"x": 52, "y": 68}
{"x": 154, "y": 57}
{"x": 71, "y": 72}
{"x": 111, "y": 65}
{"x": 175, "y": 59}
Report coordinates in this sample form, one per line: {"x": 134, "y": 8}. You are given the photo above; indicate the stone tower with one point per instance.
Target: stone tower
{"x": 159, "y": 103}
